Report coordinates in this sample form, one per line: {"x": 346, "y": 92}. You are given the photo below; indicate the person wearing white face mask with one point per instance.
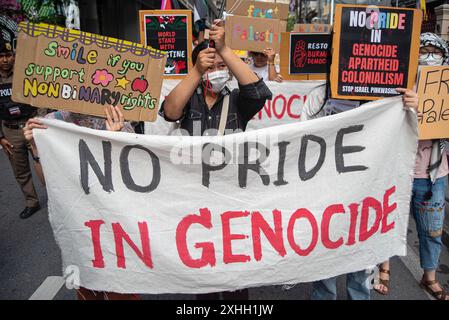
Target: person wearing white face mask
{"x": 202, "y": 103}
{"x": 429, "y": 184}
{"x": 430, "y": 56}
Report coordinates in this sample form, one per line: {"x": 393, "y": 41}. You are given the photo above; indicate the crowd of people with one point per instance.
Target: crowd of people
{"x": 203, "y": 99}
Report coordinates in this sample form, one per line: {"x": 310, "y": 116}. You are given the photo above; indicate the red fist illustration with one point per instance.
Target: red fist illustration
{"x": 300, "y": 54}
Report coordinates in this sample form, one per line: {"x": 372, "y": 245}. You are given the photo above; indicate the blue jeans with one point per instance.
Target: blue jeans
{"x": 429, "y": 217}
{"x": 356, "y": 287}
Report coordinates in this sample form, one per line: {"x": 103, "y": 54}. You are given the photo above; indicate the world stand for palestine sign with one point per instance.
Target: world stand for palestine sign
{"x": 82, "y": 72}
{"x": 375, "y": 51}
{"x": 170, "y": 31}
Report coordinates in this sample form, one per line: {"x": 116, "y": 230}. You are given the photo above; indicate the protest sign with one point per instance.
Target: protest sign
{"x": 312, "y": 28}
{"x": 285, "y": 107}
{"x": 433, "y": 92}
{"x": 241, "y": 53}
{"x": 253, "y": 34}
{"x": 282, "y": 205}
{"x": 375, "y": 50}
{"x": 305, "y": 55}
{"x": 258, "y": 9}
{"x": 171, "y": 31}
{"x": 72, "y": 70}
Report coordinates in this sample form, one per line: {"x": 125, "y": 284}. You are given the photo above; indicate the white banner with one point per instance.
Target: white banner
{"x": 285, "y": 107}
{"x": 166, "y": 214}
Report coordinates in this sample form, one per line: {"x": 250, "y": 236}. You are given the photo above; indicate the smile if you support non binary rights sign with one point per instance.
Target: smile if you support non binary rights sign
{"x": 179, "y": 214}
{"x": 81, "y": 72}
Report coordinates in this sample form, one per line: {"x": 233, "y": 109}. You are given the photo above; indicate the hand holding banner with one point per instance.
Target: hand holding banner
{"x": 282, "y": 205}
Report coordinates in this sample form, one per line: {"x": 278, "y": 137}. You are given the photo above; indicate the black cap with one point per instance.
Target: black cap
{"x": 5, "y": 47}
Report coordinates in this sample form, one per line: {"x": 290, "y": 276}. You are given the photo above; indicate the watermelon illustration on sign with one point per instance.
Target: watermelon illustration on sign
{"x": 139, "y": 84}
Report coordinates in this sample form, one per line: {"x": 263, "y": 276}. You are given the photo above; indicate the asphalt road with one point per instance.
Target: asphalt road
{"x": 29, "y": 254}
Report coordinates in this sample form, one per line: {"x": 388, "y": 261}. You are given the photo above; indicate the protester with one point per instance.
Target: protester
{"x": 13, "y": 117}
{"x": 263, "y": 65}
{"x": 428, "y": 200}
{"x": 198, "y": 102}
{"x": 318, "y": 105}
{"x": 198, "y": 98}
{"x": 114, "y": 122}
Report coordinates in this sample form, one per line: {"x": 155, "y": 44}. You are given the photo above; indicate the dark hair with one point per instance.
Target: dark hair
{"x": 200, "y": 47}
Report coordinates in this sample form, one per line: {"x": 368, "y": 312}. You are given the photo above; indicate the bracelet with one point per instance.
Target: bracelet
{"x": 270, "y": 63}
{"x": 36, "y": 158}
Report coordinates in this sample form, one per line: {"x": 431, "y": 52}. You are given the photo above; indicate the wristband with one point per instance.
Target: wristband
{"x": 36, "y": 158}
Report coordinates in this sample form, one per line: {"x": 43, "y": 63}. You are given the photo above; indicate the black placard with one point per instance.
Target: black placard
{"x": 309, "y": 53}
{"x": 374, "y": 51}
{"x": 170, "y": 33}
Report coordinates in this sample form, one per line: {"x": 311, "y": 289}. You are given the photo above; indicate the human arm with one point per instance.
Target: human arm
{"x": 409, "y": 97}
{"x": 272, "y": 73}
{"x": 34, "y": 123}
{"x": 252, "y": 97}
{"x": 239, "y": 69}
{"x": 178, "y": 98}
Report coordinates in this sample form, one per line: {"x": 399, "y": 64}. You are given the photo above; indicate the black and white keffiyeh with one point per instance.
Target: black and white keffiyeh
{"x": 431, "y": 39}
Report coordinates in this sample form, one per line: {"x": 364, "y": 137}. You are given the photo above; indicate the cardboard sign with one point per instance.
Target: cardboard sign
{"x": 252, "y": 215}
{"x": 253, "y": 34}
{"x": 258, "y": 9}
{"x": 171, "y": 31}
{"x": 433, "y": 94}
{"x": 375, "y": 50}
{"x": 312, "y": 28}
{"x": 81, "y": 72}
{"x": 305, "y": 54}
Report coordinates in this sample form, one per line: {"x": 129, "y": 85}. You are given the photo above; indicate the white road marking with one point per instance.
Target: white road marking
{"x": 48, "y": 289}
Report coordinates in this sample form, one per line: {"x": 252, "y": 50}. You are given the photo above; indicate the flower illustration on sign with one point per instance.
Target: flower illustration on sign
{"x": 102, "y": 77}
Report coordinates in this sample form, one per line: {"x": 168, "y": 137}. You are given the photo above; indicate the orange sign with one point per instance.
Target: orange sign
{"x": 433, "y": 91}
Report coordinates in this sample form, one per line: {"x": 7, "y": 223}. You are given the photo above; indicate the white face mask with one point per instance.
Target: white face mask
{"x": 217, "y": 79}
{"x": 430, "y": 60}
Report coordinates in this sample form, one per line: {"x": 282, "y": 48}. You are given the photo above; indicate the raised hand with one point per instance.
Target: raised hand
{"x": 115, "y": 121}
{"x": 205, "y": 60}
